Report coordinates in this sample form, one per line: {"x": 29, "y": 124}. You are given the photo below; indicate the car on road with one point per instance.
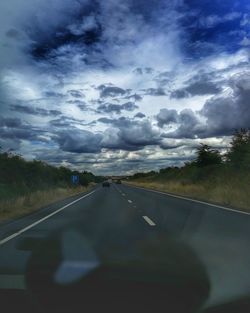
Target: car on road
{"x": 106, "y": 184}
{"x": 118, "y": 181}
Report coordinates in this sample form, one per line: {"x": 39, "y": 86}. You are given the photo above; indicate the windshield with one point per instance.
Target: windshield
{"x": 124, "y": 156}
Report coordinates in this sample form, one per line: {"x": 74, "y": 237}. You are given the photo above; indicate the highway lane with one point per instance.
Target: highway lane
{"x": 143, "y": 235}
{"x": 220, "y": 237}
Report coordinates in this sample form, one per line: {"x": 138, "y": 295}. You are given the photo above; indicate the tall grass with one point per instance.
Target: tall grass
{"x": 218, "y": 184}
{"x": 21, "y": 205}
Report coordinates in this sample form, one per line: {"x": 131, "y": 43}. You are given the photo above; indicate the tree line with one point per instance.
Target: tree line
{"x": 237, "y": 157}
{"x": 24, "y": 175}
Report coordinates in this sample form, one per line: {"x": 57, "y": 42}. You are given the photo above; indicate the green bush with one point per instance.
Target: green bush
{"x": 18, "y": 176}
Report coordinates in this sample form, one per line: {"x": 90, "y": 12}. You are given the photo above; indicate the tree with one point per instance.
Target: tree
{"x": 207, "y": 156}
{"x": 34, "y": 175}
{"x": 239, "y": 152}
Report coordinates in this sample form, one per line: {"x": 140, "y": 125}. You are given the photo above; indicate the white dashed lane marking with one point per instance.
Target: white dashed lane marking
{"x": 149, "y": 221}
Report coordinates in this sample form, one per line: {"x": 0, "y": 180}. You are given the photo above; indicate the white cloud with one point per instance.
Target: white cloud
{"x": 135, "y": 53}
{"x": 245, "y": 42}
{"x": 213, "y": 20}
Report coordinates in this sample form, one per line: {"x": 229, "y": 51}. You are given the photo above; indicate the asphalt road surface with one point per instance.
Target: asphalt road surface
{"x": 126, "y": 249}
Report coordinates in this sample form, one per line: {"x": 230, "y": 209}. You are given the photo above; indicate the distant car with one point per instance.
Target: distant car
{"x": 105, "y": 184}
{"x": 118, "y": 181}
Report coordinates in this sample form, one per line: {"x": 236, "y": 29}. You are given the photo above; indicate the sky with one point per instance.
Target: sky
{"x": 120, "y": 86}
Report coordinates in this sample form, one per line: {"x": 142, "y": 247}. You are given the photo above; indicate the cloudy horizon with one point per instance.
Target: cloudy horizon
{"x": 115, "y": 87}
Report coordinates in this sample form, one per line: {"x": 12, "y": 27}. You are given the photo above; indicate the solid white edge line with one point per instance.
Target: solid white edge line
{"x": 43, "y": 219}
{"x": 193, "y": 200}
{"x": 148, "y": 220}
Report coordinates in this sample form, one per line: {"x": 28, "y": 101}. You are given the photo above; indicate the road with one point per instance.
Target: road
{"x": 125, "y": 247}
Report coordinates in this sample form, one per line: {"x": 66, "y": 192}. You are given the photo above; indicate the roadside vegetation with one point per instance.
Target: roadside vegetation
{"x": 211, "y": 176}
{"x": 29, "y": 185}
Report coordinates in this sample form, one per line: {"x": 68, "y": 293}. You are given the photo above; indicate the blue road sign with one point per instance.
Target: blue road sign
{"x": 75, "y": 179}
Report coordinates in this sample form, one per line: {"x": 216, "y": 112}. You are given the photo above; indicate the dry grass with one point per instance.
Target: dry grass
{"x": 13, "y": 208}
{"x": 234, "y": 193}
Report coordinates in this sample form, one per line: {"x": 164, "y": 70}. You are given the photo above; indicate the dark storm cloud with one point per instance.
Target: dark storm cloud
{"x": 170, "y": 145}
{"x": 71, "y": 27}
{"x": 13, "y": 33}
{"x": 109, "y": 108}
{"x": 49, "y": 45}
{"x": 138, "y": 71}
{"x": 97, "y": 31}
{"x": 111, "y": 91}
{"x": 125, "y": 125}
{"x": 165, "y": 117}
{"x": 141, "y": 163}
{"x": 66, "y": 122}
{"x": 82, "y": 105}
{"x": 196, "y": 89}
{"x": 179, "y": 94}
{"x": 134, "y": 97}
{"x": 106, "y": 120}
{"x": 117, "y": 122}
{"x": 79, "y": 141}
{"x": 76, "y": 93}
{"x": 186, "y": 122}
{"x": 10, "y": 122}
{"x": 14, "y": 128}
{"x": 129, "y": 106}
{"x": 139, "y": 115}
{"x": 34, "y": 111}
{"x": 145, "y": 70}
{"x": 53, "y": 94}
{"x": 189, "y": 125}
{"x": 154, "y": 92}
{"x": 200, "y": 84}
{"x": 116, "y": 108}
{"x": 164, "y": 78}
{"x": 76, "y": 102}
{"x": 130, "y": 135}
{"x": 226, "y": 113}
{"x": 124, "y": 134}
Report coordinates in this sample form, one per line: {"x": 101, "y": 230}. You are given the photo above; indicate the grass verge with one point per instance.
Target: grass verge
{"x": 233, "y": 193}
{"x": 22, "y": 205}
